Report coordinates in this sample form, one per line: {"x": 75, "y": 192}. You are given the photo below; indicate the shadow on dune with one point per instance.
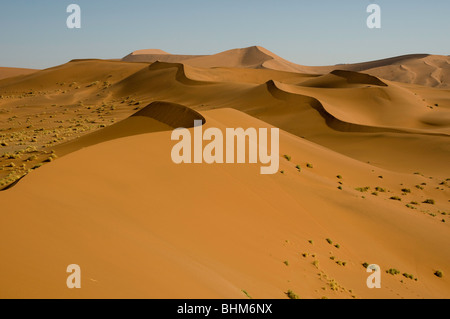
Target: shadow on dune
{"x": 156, "y": 117}
{"x": 330, "y": 120}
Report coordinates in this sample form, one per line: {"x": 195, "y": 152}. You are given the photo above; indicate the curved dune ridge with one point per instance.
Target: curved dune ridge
{"x": 359, "y": 78}
{"x": 422, "y": 69}
{"x": 332, "y": 121}
{"x": 158, "y": 116}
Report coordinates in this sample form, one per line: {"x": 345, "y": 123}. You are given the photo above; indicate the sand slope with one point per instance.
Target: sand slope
{"x": 11, "y": 72}
{"x": 132, "y": 239}
{"x": 91, "y": 141}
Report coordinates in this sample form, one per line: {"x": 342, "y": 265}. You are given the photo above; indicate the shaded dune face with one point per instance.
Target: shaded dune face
{"x": 359, "y": 78}
{"x": 158, "y": 116}
{"x": 172, "y": 114}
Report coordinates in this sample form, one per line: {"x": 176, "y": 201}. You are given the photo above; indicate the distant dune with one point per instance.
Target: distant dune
{"x": 11, "y": 72}
{"x": 153, "y": 55}
{"x": 86, "y": 177}
{"x": 421, "y": 69}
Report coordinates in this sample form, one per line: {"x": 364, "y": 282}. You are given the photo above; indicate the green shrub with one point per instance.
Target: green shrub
{"x": 409, "y": 276}
{"x": 329, "y": 241}
{"x": 287, "y": 157}
{"x": 247, "y": 294}
{"x": 393, "y": 271}
{"x": 439, "y": 274}
{"x": 396, "y": 198}
{"x": 292, "y": 295}
{"x": 309, "y": 165}
{"x": 429, "y": 201}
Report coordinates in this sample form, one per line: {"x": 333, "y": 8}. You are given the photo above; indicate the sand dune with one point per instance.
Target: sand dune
{"x": 88, "y": 145}
{"x": 153, "y": 55}
{"x": 421, "y": 69}
{"x": 156, "y": 117}
{"x": 126, "y": 244}
{"x": 11, "y": 72}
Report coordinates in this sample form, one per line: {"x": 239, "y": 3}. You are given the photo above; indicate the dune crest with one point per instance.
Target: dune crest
{"x": 422, "y": 69}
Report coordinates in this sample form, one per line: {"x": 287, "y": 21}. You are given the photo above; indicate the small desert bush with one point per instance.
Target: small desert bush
{"x": 247, "y": 294}
{"x": 292, "y": 295}
{"x": 309, "y": 165}
{"x": 409, "y": 276}
{"x": 429, "y": 201}
{"x": 287, "y": 157}
{"x": 93, "y": 84}
{"x": 396, "y": 198}
{"x": 439, "y": 273}
{"x": 393, "y": 271}
{"x": 329, "y": 241}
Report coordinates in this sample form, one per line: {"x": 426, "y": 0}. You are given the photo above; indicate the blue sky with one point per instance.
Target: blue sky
{"x": 314, "y": 32}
